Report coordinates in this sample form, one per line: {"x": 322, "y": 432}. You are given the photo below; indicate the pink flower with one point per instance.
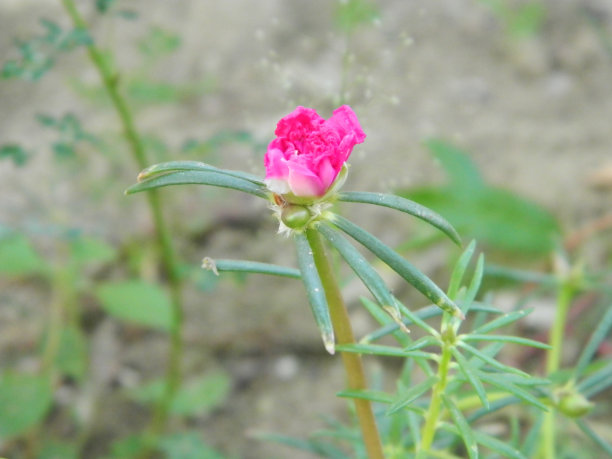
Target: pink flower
{"x": 309, "y": 151}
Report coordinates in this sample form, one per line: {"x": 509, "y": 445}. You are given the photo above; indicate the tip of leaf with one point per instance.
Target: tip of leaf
{"x": 146, "y": 173}
{"x": 328, "y": 342}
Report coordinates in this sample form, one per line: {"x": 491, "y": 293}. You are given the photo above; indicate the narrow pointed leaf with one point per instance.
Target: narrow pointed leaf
{"x": 175, "y": 166}
{"x": 409, "y": 396}
{"x": 417, "y": 320}
{"x": 372, "y": 395}
{"x": 465, "y": 431}
{"x": 459, "y": 270}
{"x": 595, "y": 341}
{"x": 498, "y": 446}
{"x": 403, "y": 205}
{"x": 383, "y": 318}
{"x": 506, "y": 339}
{"x": 491, "y": 361}
{"x": 471, "y": 375}
{"x": 518, "y": 275}
{"x": 379, "y": 349}
{"x": 603, "y": 444}
{"x": 396, "y": 262}
{"x": 502, "y": 321}
{"x": 370, "y": 278}
{"x": 501, "y": 383}
{"x": 315, "y": 291}
{"x": 532, "y": 439}
{"x": 596, "y": 382}
{"x": 472, "y": 290}
{"x": 198, "y": 178}
{"x": 246, "y": 266}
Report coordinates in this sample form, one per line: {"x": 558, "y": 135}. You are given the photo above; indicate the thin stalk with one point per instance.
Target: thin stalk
{"x": 564, "y": 300}
{"x": 344, "y": 335}
{"x": 433, "y": 413}
{"x": 167, "y": 254}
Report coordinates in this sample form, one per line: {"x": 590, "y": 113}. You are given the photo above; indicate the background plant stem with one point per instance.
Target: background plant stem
{"x": 168, "y": 257}
{"x": 553, "y": 360}
{"x": 344, "y": 335}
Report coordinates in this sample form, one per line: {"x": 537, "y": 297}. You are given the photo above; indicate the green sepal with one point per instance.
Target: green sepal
{"x": 401, "y": 266}
{"x": 199, "y": 178}
{"x": 403, "y": 205}
{"x": 315, "y": 291}
{"x": 370, "y": 278}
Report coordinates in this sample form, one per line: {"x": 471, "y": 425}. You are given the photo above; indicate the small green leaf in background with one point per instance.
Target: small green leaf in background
{"x": 194, "y": 398}
{"x": 351, "y": 14}
{"x": 104, "y": 5}
{"x": 129, "y": 447}
{"x": 495, "y": 217}
{"x": 187, "y": 445}
{"x": 15, "y": 152}
{"x": 137, "y": 302}
{"x": 24, "y": 401}
{"x": 18, "y": 257}
{"x": 54, "y": 449}
{"x": 38, "y": 54}
{"x": 71, "y": 356}
{"x": 159, "y": 42}
{"x": 85, "y": 249}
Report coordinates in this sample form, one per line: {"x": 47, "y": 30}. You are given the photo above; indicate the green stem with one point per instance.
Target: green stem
{"x": 110, "y": 80}
{"x": 564, "y": 300}
{"x": 433, "y": 413}
{"x": 344, "y": 335}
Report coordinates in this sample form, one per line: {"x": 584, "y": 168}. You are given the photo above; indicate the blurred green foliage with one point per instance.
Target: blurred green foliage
{"x": 38, "y": 54}
{"x": 350, "y": 14}
{"x": 496, "y": 217}
{"x": 15, "y": 152}
{"x": 25, "y": 400}
{"x": 520, "y": 21}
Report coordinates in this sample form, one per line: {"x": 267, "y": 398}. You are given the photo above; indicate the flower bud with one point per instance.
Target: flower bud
{"x": 574, "y": 405}
{"x": 295, "y": 217}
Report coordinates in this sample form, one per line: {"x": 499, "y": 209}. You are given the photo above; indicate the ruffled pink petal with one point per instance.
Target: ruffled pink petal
{"x": 276, "y": 164}
{"x": 346, "y": 123}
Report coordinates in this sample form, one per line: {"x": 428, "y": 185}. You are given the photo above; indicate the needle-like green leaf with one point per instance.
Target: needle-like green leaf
{"x": 502, "y": 321}
{"x": 403, "y": 205}
{"x": 372, "y": 395}
{"x": 498, "y": 446}
{"x": 315, "y": 291}
{"x": 199, "y": 178}
{"x": 599, "y": 334}
{"x": 175, "y": 166}
{"x": 380, "y": 349}
{"x": 245, "y": 266}
{"x": 401, "y": 266}
{"x": 505, "y": 338}
{"x": 467, "y": 433}
{"x": 491, "y": 361}
{"x": 501, "y": 382}
{"x": 361, "y": 266}
{"x": 410, "y": 395}
{"x": 471, "y": 375}
{"x": 459, "y": 270}
{"x": 603, "y": 444}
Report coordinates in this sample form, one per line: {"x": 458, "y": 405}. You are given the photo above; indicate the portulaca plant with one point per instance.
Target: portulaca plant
{"x": 306, "y": 166}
